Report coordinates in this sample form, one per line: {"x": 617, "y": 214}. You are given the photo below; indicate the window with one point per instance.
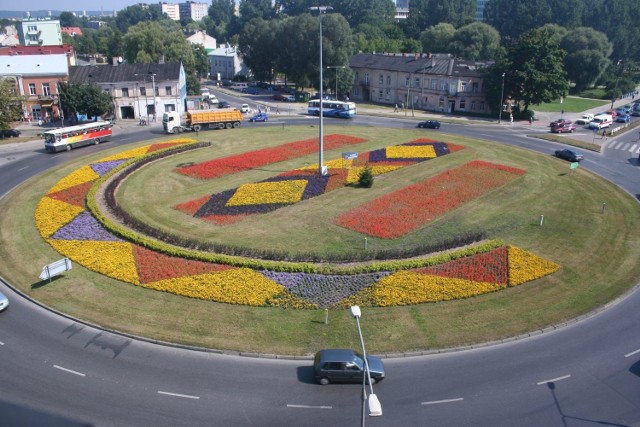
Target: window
{"x": 167, "y": 90}
{"x": 157, "y": 91}
{"x": 143, "y": 91}
{"x": 463, "y": 86}
{"x": 463, "y": 103}
{"x": 481, "y": 105}
{"x": 125, "y": 92}
{"x": 46, "y": 91}
{"x": 443, "y": 85}
{"x": 434, "y": 84}
{"x": 32, "y": 89}
{"x": 380, "y": 95}
{"x": 417, "y": 82}
{"x": 380, "y": 79}
{"x": 474, "y": 87}
{"x": 388, "y": 80}
{"x": 366, "y": 79}
{"x": 387, "y": 95}
{"x": 473, "y": 105}
{"x": 407, "y": 81}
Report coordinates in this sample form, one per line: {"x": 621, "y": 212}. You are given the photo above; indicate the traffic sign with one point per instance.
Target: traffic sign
{"x": 349, "y": 155}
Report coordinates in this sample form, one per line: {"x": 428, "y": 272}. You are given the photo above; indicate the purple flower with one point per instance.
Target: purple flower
{"x": 84, "y": 227}
{"x": 104, "y": 167}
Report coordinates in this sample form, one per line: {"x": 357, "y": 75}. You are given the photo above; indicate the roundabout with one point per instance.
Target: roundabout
{"x": 509, "y": 213}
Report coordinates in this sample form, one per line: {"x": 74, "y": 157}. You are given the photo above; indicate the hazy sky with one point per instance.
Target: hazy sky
{"x": 72, "y": 5}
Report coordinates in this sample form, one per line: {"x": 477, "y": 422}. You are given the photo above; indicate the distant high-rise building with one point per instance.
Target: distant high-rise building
{"x": 171, "y": 10}
{"x": 39, "y": 32}
{"x": 193, "y": 10}
{"x": 480, "y": 4}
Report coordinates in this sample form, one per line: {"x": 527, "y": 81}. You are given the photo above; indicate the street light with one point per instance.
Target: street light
{"x": 375, "y": 409}
{"x": 336, "y": 67}
{"x": 321, "y": 168}
{"x": 501, "y": 96}
{"x": 61, "y": 111}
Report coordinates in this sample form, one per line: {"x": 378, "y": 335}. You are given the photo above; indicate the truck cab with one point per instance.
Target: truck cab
{"x": 171, "y": 122}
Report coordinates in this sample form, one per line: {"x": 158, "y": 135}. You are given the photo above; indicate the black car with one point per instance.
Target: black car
{"x": 224, "y": 104}
{"x": 345, "y": 366}
{"x": 569, "y": 155}
{"x": 429, "y": 124}
{"x": 10, "y": 133}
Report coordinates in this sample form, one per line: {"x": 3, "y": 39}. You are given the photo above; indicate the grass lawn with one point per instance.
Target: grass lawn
{"x": 571, "y": 104}
{"x": 597, "y": 250}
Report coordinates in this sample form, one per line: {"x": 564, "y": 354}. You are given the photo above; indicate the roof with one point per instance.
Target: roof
{"x": 34, "y": 65}
{"x": 438, "y": 64}
{"x": 124, "y": 73}
{"x": 36, "y": 50}
{"x": 72, "y": 31}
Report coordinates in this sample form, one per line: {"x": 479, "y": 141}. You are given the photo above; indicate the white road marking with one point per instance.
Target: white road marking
{"x": 435, "y": 402}
{"x": 553, "y": 380}
{"x": 289, "y": 405}
{"x": 1, "y": 343}
{"x": 618, "y": 145}
{"x": 625, "y": 146}
{"x": 21, "y": 169}
{"x": 186, "y": 396}
{"x": 69, "y": 370}
{"x": 632, "y": 353}
{"x": 633, "y": 147}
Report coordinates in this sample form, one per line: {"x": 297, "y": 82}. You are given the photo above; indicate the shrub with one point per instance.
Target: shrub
{"x": 365, "y": 179}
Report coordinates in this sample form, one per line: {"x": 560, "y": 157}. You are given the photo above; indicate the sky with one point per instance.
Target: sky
{"x": 73, "y": 5}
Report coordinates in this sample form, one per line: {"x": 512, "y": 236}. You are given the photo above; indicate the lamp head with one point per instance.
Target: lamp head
{"x": 375, "y": 409}
{"x": 355, "y": 311}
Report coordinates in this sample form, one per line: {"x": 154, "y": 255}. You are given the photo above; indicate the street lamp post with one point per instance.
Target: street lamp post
{"x": 153, "y": 88}
{"x": 375, "y": 409}
{"x": 501, "y": 96}
{"x": 321, "y": 168}
{"x": 61, "y": 111}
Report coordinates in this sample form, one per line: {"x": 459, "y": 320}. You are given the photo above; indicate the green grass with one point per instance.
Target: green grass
{"x": 571, "y": 105}
{"x": 576, "y": 234}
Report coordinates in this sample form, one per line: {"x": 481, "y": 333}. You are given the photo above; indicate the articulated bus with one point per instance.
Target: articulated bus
{"x": 342, "y": 109}
{"x": 77, "y": 136}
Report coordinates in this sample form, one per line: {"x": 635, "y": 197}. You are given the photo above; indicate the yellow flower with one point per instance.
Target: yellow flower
{"x": 77, "y": 177}
{"x": 52, "y": 214}
{"x": 410, "y": 152}
{"x": 289, "y": 191}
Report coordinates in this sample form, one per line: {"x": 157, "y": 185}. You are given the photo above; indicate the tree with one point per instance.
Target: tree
{"x": 10, "y": 103}
{"x": 438, "y": 38}
{"x": 372, "y": 12}
{"x": 133, "y": 15}
{"x": 89, "y": 99}
{"x": 615, "y": 18}
{"x": 477, "y": 41}
{"x": 587, "y": 57}
{"x": 68, "y": 19}
{"x": 426, "y": 13}
{"x": 535, "y": 69}
{"x": 257, "y": 42}
{"x": 250, "y": 9}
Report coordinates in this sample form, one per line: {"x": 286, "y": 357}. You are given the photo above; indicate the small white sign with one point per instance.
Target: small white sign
{"x": 55, "y": 268}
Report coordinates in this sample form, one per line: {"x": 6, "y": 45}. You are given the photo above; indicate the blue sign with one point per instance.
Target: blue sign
{"x": 349, "y": 155}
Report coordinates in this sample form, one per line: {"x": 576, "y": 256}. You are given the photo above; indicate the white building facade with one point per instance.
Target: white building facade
{"x": 39, "y": 32}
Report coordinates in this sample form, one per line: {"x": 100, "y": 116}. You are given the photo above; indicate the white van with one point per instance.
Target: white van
{"x": 239, "y": 86}
{"x": 601, "y": 121}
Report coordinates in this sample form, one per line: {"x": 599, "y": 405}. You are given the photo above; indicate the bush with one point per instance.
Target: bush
{"x": 365, "y": 179}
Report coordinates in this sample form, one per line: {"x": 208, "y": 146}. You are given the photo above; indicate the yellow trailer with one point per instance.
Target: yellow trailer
{"x": 197, "y": 120}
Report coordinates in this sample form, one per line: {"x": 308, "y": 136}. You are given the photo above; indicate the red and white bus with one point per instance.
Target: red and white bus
{"x": 76, "y": 136}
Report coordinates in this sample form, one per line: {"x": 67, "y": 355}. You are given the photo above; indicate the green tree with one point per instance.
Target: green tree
{"x": 250, "y": 9}
{"x": 618, "y": 19}
{"x": 587, "y": 57}
{"x": 372, "y": 12}
{"x": 68, "y": 19}
{"x": 438, "y": 38}
{"x": 427, "y": 13}
{"x": 477, "y": 41}
{"x": 10, "y": 103}
{"x": 87, "y": 99}
{"x": 535, "y": 69}
{"x": 257, "y": 42}
{"x": 133, "y": 15}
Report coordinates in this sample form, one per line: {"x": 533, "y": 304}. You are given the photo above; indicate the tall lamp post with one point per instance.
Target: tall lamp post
{"x": 61, "y": 111}
{"x": 153, "y": 87}
{"x": 375, "y": 409}
{"x": 321, "y": 168}
{"x": 501, "y": 100}
{"x": 336, "y": 67}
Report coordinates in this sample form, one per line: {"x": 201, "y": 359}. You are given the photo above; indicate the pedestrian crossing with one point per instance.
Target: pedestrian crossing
{"x": 631, "y": 147}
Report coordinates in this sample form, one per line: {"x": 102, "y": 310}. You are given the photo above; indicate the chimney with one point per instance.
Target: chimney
{"x": 92, "y": 60}
{"x": 161, "y": 60}
{"x": 416, "y": 56}
{"x": 114, "y": 61}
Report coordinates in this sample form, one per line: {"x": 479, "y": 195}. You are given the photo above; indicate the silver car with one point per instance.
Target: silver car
{"x": 4, "y": 302}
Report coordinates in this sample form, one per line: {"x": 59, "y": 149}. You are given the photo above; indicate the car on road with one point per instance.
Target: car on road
{"x": 251, "y": 91}
{"x": 585, "y": 119}
{"x": 244, "y": 108}
{"x": 260, "y": 117}
{"x": 565, "y": 128}
{"x": 279, "y": 97}
{"x": 569, "y": 155}
{"x": 224, "y": 104}
{"x": 429, "y": 124}
{"x": 623, "y": 118}
{"x": 345, "y": 366}
{"x": 10, "y": 133}
{"x": 4, "y": 302}
{"x": 560, "y": 122}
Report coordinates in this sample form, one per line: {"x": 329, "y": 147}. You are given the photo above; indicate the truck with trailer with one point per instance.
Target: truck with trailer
{"x": 198, "y": 120}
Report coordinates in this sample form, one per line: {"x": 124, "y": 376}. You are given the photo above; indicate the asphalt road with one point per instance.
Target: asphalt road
{"x": 581, "y": 374}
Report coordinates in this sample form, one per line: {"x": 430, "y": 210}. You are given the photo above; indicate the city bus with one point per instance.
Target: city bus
{"x": 77, "y": 136}
{"x": 330, "y": 108}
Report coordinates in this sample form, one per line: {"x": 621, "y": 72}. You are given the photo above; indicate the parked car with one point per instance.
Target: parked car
{"x": 224, "y": 104}
{"x": 260, "y": 117}
{"x": 620, "y": 111}
{"x": 560, "y": 122}
{"x": 10, "y": 133}
{"x": 244, "y": 108}
{"x": 251, "y": 91}
{"x": 429, "y": 124}
{"x": 612, "y": 113}
{"x": 4, "y": 302}
{"x": 623, "y": 118}
{"x": 290, "y": 98}
{"x": 565, "y": 128}
{"x": 343, "y": 365}
{"x": 585, "y": 119}
{"x": 279, "y": 97}
{"x": 569, "y": 155}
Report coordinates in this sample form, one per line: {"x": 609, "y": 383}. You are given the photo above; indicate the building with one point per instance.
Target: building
{"x": 202, "y": 38}
{"x": 138, "y": 90}
{"x": 480, "y": 4}
{"x": 225, "y": 64}
{"x": 39, "y": 32}
{"x": 434, "y": 82}
{"x": 65, "y": 49}
{"x": 402, "y": 9}
{"x": 72, "y": 31}
{"x": 172, "y": 10}
{"x": 194, "y": 10}
{"x": 36, "y": 79}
